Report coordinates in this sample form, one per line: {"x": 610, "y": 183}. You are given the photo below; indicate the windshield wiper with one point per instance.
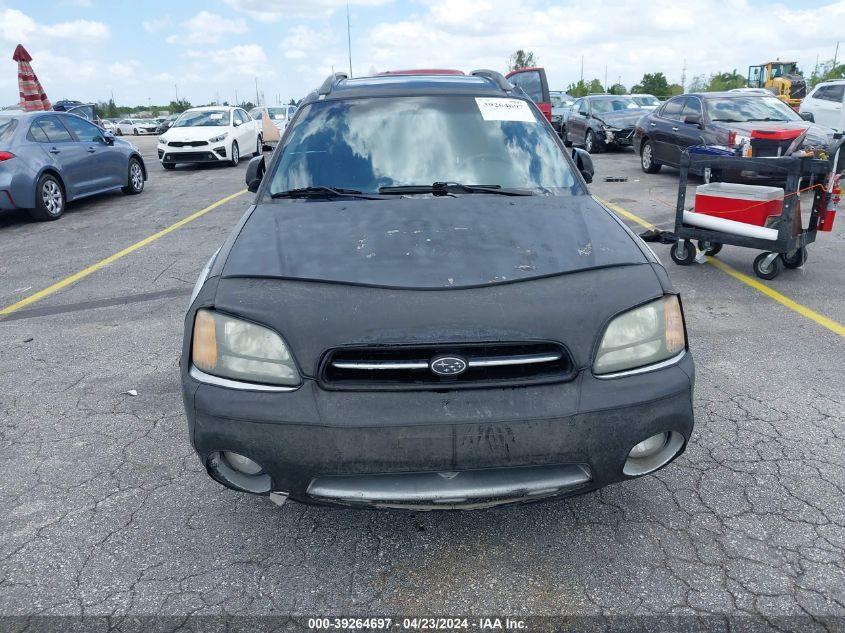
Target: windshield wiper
{"x": 442, "y": 188}
{"x": 769, "y": 119}
{"x": 729, "y": 120}
{"x": 323, "y": 192}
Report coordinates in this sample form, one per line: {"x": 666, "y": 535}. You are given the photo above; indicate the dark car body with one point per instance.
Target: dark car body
{"x": 82, "y": 158}
{"x": 687, "y": 120}
{"x": 443, "y": 344}
{"x": 561, "y": 104}
{"x": 165, "y": 125}
{"x": 601, "y": 121}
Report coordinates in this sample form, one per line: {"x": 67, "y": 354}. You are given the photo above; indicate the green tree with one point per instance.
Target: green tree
{"x": 698, "y": 84}
{"x": 177, "y": 107}
{"x": 618, "y": 89}
{"x": 578, "y": 89}
{"x": 595, "y": 86}
{"x": 675, "y": 89}
{"x": 654, "y": 84}
{"x": 522, "y": 59}
{"x": 725, "y": 81}
{"x": 826, "y": 72}
{"x": 247, "y": 105}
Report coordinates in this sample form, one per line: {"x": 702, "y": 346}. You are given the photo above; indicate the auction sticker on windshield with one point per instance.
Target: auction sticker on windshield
{"x": 499, "y": 109}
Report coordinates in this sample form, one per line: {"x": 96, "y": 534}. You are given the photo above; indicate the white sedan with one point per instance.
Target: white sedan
{"x": 211, "y": 134}
{"x": 135, "y": 127}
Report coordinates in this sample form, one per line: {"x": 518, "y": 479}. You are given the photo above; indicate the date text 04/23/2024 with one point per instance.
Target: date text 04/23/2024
{"x": 417, "y": 624}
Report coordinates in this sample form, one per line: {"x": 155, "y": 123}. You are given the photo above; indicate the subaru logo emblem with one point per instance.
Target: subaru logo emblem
{"x": 448, "y": 365}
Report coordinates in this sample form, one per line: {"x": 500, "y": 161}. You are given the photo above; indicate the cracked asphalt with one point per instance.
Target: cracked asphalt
{"x": 107, "y": 511}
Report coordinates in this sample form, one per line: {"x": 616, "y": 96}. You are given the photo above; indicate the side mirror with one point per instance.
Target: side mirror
{"x": 693, "y": 119}
{"x": 584, "y": 163}
{"x": 236, "y": 123}
{"x": 108, "y": 137}
{"x": 254, "y": 173}
{"x": 808, "y": 116}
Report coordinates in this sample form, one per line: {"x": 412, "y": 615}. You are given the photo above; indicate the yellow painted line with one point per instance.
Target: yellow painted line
{"x": 64, "y": 283}
{"x": 830, "y": 324}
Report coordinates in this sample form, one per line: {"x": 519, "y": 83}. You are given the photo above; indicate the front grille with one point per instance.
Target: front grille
{"x": 191, "y": 156}
{"x": 798, "y": 89}
{"x": 624, "y": 136}
{"x": 460, "y": 366}
{"x": 187, "y": 143}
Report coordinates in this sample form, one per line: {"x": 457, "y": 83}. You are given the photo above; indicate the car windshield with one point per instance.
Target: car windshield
{"x": 561, "y": 102}
{"x": 7, "y": 126}
{"x": 646, "y": 100}
{"x": 602, "y": 106}
{"x": 203, "y": 118}
{"x": 366, "y": 144}
{"x": 749, "y": 108}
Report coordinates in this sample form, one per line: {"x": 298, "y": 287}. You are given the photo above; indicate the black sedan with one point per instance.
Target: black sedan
{"x": 448, "y": 324}
{"x": 599, "y": 122}
{"x": 714, "y": 118}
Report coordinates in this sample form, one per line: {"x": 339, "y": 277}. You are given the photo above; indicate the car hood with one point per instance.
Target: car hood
{"x": 621, "y": 118}
{"x": 817, "y": 135}
{"x": 197, "y": 133}
{"x": 430, "y": 242}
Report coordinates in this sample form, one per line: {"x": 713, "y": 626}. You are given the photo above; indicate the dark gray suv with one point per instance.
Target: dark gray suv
{"x": 425, "y": 308}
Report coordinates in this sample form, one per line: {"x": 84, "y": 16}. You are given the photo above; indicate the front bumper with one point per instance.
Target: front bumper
{"x": 623, "y": 137}
{"x": 203, "y": 154}
{"x": 426, "y": 450}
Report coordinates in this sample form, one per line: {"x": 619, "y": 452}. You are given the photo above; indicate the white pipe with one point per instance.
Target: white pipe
{"x": 729, "y": 226}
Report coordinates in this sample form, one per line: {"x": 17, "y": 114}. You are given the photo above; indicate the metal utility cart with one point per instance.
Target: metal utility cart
{"x": 790, "y": 247}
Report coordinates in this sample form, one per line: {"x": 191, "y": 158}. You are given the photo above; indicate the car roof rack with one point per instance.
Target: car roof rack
{"x": 326, "y": 88}
{"x": 494, "y": 76}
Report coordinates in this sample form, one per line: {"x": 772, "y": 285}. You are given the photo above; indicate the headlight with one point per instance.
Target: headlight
{"x": 217, "y": 139}
{"x": 231, "y": 348}
{"x": 609, "y": 128}
{"x": 643, "y": 336}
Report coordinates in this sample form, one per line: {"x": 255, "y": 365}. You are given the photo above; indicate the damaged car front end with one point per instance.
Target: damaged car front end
{"x": 373, "y": 341}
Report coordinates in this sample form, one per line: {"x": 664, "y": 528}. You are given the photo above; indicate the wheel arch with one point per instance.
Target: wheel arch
{"x": 49, "y": 169}
{"x": 140, "y": 159}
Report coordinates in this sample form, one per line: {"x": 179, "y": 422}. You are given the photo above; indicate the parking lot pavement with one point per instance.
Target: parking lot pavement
{"x": 107, "y": 510}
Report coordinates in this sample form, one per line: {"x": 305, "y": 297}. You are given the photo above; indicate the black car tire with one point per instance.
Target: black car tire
{"x": 259, "y": 149}
{"x": 647, "y": 162}
{"x": 136, "y": 178}
{"x": 565, "y": 136}
{"x": 236, "y": 155}
{"x": 49, "y": 199}
{"x": 769, "y": 272}
{"x": 135, "y": 132}
{"x": 709, "y": 248}
{"x": 795, "y": 259}
{"x": 682, "y": 252}
{"x": 592, "y": 144}
{"x": 117, "y": 132}
{"x": 169, "y": 165}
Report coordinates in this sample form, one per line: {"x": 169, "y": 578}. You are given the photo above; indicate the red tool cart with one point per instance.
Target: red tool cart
{"x": 763, "y": 218}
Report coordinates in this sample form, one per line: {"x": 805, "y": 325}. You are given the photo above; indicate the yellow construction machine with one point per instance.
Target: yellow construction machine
{"x": 781, "y": 78}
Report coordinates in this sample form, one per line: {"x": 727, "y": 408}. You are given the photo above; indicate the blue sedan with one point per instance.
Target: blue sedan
{"x": 48, "y": 159}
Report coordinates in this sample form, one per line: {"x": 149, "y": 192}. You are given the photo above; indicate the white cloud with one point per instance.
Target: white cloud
{"x": 208, "y": 28}
{"x": 264, "y": 11}
{"x": 235, "y": 63}
{"x": 16, "y": 26}
{"x": 157, "y": 24}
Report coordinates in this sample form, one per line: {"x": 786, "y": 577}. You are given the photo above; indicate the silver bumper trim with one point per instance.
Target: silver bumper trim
{"x": 464, "y": 489}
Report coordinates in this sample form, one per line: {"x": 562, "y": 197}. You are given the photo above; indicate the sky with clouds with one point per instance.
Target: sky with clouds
{"x": 215, "y": 49}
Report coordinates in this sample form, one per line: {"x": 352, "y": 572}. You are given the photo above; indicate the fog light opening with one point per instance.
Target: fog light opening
{"x": 239, "y": 472}
{"x": 243, "y": 464}
{"x": 652, "y": 453}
